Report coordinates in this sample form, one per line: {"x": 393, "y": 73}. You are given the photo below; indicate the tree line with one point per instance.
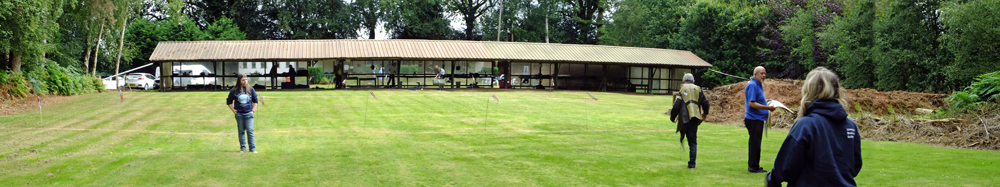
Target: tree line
{"x": 913, "y": 45}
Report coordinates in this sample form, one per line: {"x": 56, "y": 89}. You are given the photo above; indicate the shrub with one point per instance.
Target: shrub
{"x": 316, "y": 74}
{"x": 986, "y": 88}
{"x": 13, "y": 84}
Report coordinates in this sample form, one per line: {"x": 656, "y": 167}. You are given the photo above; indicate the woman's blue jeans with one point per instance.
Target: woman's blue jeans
{"x": 244, "y": 125}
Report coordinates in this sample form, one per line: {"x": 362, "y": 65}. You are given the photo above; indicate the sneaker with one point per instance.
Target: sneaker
{"x": 690, "y": 165}
{"x": 253, "y": 150}
{"x": 243, "y": 150}
{"x": 757, "y": 170}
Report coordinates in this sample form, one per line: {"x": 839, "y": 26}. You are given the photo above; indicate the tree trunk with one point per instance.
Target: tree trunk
{"x": 86, "y": 59}
{"x": 470, "y": 24}
{"x": 86, "y": 54}
{"x": 499, "y": 18}
{"x": 371, "y": 32}
{"x": 4, "y": 59}
{"x": 15, "y": 62}
{"x": 97, "y": 50}
{"x": 15, "y": 57}
{"x": 121, "y": 44}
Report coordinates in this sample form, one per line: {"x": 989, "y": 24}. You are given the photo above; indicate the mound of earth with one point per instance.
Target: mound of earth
{"x": 881, "y": 116}
{"x": 728, "y": 102}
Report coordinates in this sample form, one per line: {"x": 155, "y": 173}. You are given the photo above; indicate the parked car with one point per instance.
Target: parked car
{"x": 110, "y": 82}
{"x": 145, "y": 81}
{"x": 193, "y": 74}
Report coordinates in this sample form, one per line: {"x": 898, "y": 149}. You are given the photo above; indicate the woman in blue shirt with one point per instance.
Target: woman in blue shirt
{"x": 245, "y": 105}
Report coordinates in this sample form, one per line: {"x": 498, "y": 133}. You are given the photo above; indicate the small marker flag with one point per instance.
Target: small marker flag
{"x": 373, "y": 94}
{"x": 592, "y": 96}
{"x": 495, "y": 98}
{"x": 39, "y": 100}
{"x": 120, "y": 95}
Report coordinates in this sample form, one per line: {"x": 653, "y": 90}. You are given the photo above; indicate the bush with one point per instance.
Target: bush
{"x": 409, "y": 69}
{"x": 55, "y": 79}
{"x": 986, "y": 88}
{"x": 316, "y": 74}
{"x": 13, "y": 85}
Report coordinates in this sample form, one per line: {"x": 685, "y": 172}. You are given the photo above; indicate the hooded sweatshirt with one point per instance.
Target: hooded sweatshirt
{"x": 822, "y": 149}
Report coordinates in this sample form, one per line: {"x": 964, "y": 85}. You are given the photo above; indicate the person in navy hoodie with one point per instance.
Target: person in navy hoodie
{"x": 823, "y": 148}
{"x": 245, "y": 104}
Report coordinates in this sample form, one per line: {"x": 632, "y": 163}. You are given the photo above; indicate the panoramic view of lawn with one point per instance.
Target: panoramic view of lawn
{"x": 414, "y": 138}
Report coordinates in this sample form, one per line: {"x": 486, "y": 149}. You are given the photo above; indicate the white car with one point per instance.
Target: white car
{"x": 111, "y": 83}
{"x": 145, "y": 81}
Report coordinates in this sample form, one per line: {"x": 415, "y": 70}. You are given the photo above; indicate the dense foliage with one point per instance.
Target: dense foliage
{"x": 986, "y": 89}
{"x": 913, "y": 45}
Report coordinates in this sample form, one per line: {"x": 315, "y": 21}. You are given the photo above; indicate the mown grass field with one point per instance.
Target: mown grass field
{"x": 414, "y": 138}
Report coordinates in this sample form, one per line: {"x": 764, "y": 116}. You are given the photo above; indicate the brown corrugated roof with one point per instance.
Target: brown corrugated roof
{"x": 287, "y": 50}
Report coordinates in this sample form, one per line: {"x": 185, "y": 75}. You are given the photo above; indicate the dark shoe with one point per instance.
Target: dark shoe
{"x": 690, "y": 165}
{"x": 757, "y": 170}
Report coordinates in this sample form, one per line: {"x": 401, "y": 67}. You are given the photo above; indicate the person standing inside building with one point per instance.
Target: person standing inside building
{"x": 391, "y": 75}
{"x": 753, "y": 119}
{"x": 692, "y": 108}
{"x": 242, "y": 101}
{"x": 823, "y": 148}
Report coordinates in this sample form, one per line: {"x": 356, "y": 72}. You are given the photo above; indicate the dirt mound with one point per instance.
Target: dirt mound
{"x": 880, "y": 116}
{"x": 728, "y": 101}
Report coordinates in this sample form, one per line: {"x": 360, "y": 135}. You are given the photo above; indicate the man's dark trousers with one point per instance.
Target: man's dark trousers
{"x": 756, "y": 130}
{"x": 692, "y": 135}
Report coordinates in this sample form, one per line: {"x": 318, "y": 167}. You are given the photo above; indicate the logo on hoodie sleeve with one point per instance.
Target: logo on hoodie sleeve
{"x": 850, "y": 133}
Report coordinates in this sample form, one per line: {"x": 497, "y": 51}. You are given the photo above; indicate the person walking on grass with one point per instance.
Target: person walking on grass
{"x": 823, "y": 148}
{"x": 753, "y": 119}
{"x": 245, "y": 105}
{"x": 692, "y": 108}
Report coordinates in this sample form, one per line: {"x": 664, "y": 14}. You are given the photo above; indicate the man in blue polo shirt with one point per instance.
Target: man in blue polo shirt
{"x": 757, "y": 109}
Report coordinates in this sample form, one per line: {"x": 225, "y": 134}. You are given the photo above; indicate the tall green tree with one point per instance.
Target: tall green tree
{"x": 258, "y": 19}
{"x": 588, "y": 16}
{"x": 316, "y": 19}
{"x": 527, "y": 21}
{"x": 369, "y": 13}
{"x": 724, "y": 35}
{"x": 850, "y": 39}
{"x": 972, "y": 36}
{"x": 71, "y": 40}
{"x": 906, "y": 52}
{"x": 643, "y": 23}
{"x": 470, "y": 11}
{"x": 790, "y": 32}
{"x": 25, "y": 26}
{"x": 143, "y": 34}
{"x": 417, "y": 19}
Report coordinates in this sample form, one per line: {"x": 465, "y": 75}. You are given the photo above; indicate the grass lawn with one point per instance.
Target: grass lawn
{"x": 414, "y": 138}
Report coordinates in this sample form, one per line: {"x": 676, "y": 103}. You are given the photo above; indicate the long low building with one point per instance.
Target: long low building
{"x": 338, "y": 64}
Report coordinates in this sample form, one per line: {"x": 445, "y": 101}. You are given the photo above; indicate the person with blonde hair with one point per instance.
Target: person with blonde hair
{"x": 823, "y": 148}
{"x": 245, "y": 105}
